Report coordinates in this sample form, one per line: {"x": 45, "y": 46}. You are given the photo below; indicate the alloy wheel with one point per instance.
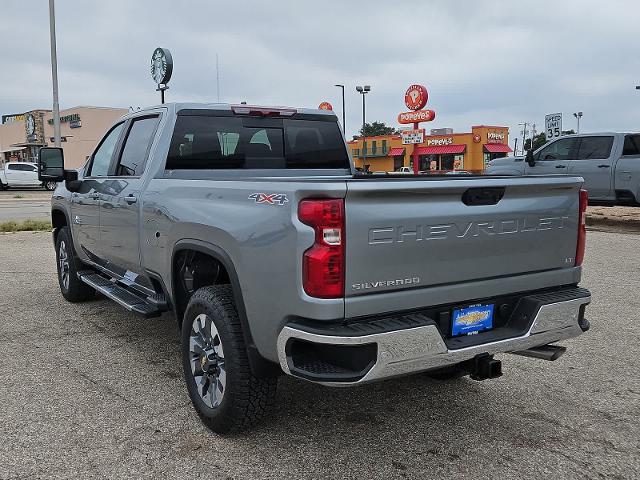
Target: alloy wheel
{"x": 207, "y": 360}
{"x": 63, "y": 263}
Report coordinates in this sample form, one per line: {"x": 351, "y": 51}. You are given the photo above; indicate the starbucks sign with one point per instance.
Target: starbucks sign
{"x": 161, "y": 66}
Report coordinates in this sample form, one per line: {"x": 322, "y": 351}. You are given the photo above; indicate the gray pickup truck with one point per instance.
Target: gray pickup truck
{"x": 608, "y": 162}
{"x": 251, "y": 225}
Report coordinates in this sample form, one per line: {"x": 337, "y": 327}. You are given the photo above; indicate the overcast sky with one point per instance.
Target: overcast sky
{"x": 496, "y": 62}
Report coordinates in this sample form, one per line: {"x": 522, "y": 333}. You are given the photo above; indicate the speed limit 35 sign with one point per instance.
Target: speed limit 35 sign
{"x": 553, "y": 125}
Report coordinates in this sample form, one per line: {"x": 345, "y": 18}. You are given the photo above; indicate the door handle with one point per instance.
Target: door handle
{"x": 603, "y": 166}
{"x": 130, "y": 199}
{"x": 561, "y": 166}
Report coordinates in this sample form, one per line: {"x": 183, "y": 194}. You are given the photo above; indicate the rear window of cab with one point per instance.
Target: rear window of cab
{"x": 202, "y": 142}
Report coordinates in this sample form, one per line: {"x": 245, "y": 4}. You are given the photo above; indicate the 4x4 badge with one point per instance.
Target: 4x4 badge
{"x": 269, "y": 198}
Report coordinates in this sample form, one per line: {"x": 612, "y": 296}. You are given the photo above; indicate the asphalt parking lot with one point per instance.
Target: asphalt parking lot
{"x": 90, "y": 391}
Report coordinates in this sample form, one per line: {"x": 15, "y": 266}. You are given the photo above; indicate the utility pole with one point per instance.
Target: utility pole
{"x": 217, "y": 78}
{"x": 524, "y": 134}
{"x": 344, "y": 127}
{"x": 54, "y": 74}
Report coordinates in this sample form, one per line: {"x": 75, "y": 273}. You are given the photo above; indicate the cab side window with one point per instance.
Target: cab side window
{"x": 563, "y": 149}
{"x": 103, "y": 155}
{"x": 136, "y": 148}
{"x": 631, "y": 145}
{"x": 595, "y": 148}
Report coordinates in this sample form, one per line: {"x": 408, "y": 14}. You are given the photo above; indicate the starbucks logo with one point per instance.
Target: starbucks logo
{"x": 31, "y": 125}
{"x": 161, "y": 65}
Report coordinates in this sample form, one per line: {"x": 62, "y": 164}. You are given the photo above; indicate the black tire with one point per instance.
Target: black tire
{"x": 72, "y": 288}
{"x": 49, "y": 186}
{"x": 243, "y": 399}
{"x": 447, "y": 373}
{"x": 2, "y": 186}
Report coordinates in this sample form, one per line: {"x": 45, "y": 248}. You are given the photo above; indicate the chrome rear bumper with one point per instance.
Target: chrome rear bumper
{"x": 412, "y": 350}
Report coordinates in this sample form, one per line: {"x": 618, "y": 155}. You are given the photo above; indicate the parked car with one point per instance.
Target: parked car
{"x": 253, "y": 228}
{"x": 608, "y": 162}
{"x": 22, "y": 174}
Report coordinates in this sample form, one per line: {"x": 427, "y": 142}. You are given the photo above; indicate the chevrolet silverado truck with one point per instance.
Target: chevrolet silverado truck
{"x": 609, "y": 163}
{"x": 252, "y": 226}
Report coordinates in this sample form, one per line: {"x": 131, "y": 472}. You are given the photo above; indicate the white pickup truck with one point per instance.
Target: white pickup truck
{"x": 22, "y": 174}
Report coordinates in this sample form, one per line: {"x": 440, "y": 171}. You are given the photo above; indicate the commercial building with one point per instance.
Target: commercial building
{"x": 441, "y": 150}
{"x": 81, "y": 128}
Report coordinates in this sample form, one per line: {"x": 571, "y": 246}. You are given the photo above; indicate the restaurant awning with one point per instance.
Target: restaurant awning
{"x": 442, "y": 150}
{"x": 396, "y": 151}
{"x": 497, "y": 148}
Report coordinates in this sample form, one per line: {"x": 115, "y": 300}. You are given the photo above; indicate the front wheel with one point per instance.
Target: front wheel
{"x": 223, "y": 390}
{"x": 73, "y": 289}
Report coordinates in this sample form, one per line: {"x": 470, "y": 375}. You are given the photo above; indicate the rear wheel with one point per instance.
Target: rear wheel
{"x": 224, "y": 392}
{"x": 2, "y": 186}
{"x": 73, "y": 289}
{"x": 50, "y": 186}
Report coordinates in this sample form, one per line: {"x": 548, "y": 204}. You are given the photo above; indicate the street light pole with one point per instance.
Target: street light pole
{"x": 363, "y": 91}
{"x": 54, "y": 74}
{"x": 344, "y": 127}
{"x": 578, "y": 116}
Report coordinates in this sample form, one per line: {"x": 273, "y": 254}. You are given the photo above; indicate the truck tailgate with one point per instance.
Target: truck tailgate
{"x": 420, "y": 233}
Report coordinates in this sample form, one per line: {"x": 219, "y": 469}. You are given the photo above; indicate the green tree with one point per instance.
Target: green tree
{"x": 375, "y": 128}
{"x": 538, "y": 141}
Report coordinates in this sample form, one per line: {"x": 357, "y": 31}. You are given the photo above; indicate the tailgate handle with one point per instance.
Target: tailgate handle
{"x": 483, "y": 196}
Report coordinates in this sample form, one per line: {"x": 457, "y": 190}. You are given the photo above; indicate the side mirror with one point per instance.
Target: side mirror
{"x": 50, "y": 164}
{"x": 529, "y": 159}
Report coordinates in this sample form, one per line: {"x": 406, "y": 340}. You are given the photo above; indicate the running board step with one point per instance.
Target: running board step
{"x": 120, "y": 295}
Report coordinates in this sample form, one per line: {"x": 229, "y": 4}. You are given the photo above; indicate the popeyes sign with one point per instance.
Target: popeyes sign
{"x": 495, "y": 137}
{"x": 415, "y": 117}
{"x": 415, "y": 98}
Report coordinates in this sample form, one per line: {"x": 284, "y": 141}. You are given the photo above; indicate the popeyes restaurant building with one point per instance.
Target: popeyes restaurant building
{"x": 442, "y": 150}
{"x": 81, "y": 128}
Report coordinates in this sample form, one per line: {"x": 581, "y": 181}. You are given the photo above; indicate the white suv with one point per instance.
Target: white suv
{"x": 22, "y": 174}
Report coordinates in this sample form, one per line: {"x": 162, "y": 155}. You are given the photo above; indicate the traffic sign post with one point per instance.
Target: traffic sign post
{"x": 552, "y": 126}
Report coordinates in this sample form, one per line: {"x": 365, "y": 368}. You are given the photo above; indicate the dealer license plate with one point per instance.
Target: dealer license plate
{"x": 472, "y": 319}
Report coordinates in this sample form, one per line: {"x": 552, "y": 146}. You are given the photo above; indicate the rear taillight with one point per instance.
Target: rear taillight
{"x": 582, "y": 227}
{"x": 323, "y": 263}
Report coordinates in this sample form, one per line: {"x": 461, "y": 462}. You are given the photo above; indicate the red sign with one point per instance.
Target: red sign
{"x": 418, "y": 116}
{"x": 325, "y": 106}
{"x": 416, "y": 96}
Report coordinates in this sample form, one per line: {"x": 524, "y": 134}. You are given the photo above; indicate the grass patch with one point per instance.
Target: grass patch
{"x": 25, "y": 226}
{"x": 18, "y": 196}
